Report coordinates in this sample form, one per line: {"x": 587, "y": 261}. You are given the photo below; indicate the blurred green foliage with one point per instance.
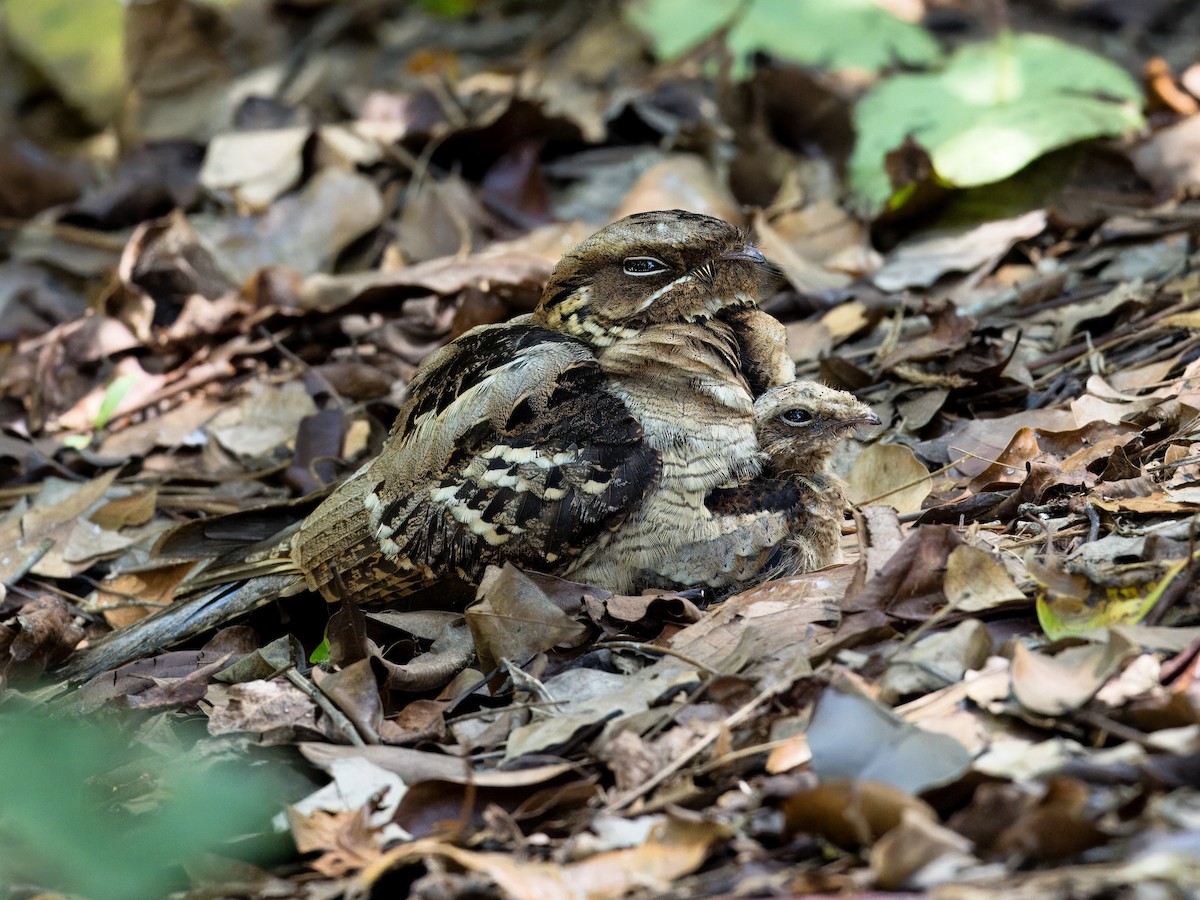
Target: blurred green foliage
{"x": 83, "y": 811}
{"x": 840, "y": 34}
{"x": 993, "y": 109}
{"x": 77, "y": 45}
{"x": 451, "y": 9}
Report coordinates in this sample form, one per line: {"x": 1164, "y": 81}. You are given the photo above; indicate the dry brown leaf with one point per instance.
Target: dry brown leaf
{"x": 824, "y": 232}
{"x": 977, "y": 581}
{"x": 415, "y": 766}
{"x": 1059, "y": 826}
{"x": 178, "y": 71}
{"x": 889, "y": 475}
{"x": 31, "y": 179}
{"x": 516, "y": 277}
{"x": 1059, "y": 684}
{"x": 586, "y": 698}
{"x": 936, "y": 661}
{"x": 266, "y": 418}
{"x": 909, "y": 584}
{"x": 176, "y": 427}
{"x": 919, "y": 853}
{"x": 1169, "y": 158}
{"x": 440, "y": 219}
{"x": 682, "y": 181}
{"x": 1158, "y": 504}
{"x": 45, "y": 632}
{"x": 344, "y": 839}
{"x": 355, "y": 691}
{"x": 256, "y": 166}
{"x": 946, "y": 711}
{"x": 921, "y": 262}
{"x": 804, "y": 272}
{"x": 851, "y": 814}
{"x": 791, "y": 617}
{"x": 304, "y": 231}
{"x": 845, "y": 320}
{"x": 674, "y": 849}
{"x": 259, "y": 707}
{"x": 42, "y": 532}
{"x": 515, "y": 619}
{"x": 451, "y": 652}
{"x": 135, "y": 385}
{"x": 983, "y": 441}
{"x": 134, "y": 509}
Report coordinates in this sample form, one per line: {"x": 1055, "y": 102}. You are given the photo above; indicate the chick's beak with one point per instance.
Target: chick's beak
{"x": 869, "y": 418}
{"x": 848, "y": 424}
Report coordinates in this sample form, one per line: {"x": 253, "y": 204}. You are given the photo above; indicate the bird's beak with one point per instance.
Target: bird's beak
{"x": 744, "y": 254}
{"x": 869, "y": 419}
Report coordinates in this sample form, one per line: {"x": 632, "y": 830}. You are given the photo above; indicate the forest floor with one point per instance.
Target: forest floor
{"x": 217, "y": 278}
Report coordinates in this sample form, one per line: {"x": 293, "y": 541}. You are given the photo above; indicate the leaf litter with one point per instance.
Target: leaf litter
{"x": 217, "y": 314}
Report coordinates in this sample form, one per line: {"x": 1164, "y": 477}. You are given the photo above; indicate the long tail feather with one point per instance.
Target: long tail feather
{"x": 173, "y": 624}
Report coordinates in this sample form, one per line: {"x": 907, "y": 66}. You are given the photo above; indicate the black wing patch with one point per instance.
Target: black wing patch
{"x": 511, "y": 448}
{"x": 468, "y": 361}
{"x": 542, "y": 489}
{"x": 761, "y": 494}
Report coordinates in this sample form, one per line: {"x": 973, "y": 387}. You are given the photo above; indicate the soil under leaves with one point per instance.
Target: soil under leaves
{"x": 215, "y": 304}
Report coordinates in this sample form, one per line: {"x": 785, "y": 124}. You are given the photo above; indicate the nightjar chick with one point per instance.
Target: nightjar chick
{"x": 799, "y": 425}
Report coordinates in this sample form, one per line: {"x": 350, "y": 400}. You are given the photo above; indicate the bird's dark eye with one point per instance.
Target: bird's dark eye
{"x": 796, "y": 416}
{"x": 644, "y": 265}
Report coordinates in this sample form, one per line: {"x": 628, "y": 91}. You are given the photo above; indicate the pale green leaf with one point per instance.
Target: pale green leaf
{"x": 991, "y": 111}
{"x": 674, "y": 26}
{"x": 89, "y": 814}
{"x": 78, "y": 45}
{"x": 1064, "y": 616}
{"x": 840, "y": 34}
{"x": 320, "y": 653}
{"x": 113, "y": 396}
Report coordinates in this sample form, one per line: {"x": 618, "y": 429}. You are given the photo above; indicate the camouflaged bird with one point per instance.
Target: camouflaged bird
{"x": 608, "y": 437}
{"x": 799, "y": 425}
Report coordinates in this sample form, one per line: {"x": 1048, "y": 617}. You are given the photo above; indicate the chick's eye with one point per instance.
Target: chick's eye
{"x": 796, "y": 416}
{"x": 644, "y": 265}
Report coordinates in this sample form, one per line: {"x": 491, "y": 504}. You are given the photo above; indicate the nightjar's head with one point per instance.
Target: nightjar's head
{"x": 647, "y": 269}
{"x": 799, "y": 424}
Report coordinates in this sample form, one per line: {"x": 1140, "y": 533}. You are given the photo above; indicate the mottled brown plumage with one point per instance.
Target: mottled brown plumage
{"x": 799, "y": 425}
{"x": 609, "y": 437}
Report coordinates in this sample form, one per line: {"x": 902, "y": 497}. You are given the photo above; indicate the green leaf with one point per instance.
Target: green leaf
{"x": 674, "y": 26}
{"x": 87, "y": 813}
{"x": 78, "y": 46}
{"x": 449, "y": 9}
{"x": 840, "y": 34}
{"x": 1063, "y": 616}
{"x": 845, "y": 34}
{"x": 320, "y": 653}
{"x": 991, "y": 111}
{"x": 112, "y": 399}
